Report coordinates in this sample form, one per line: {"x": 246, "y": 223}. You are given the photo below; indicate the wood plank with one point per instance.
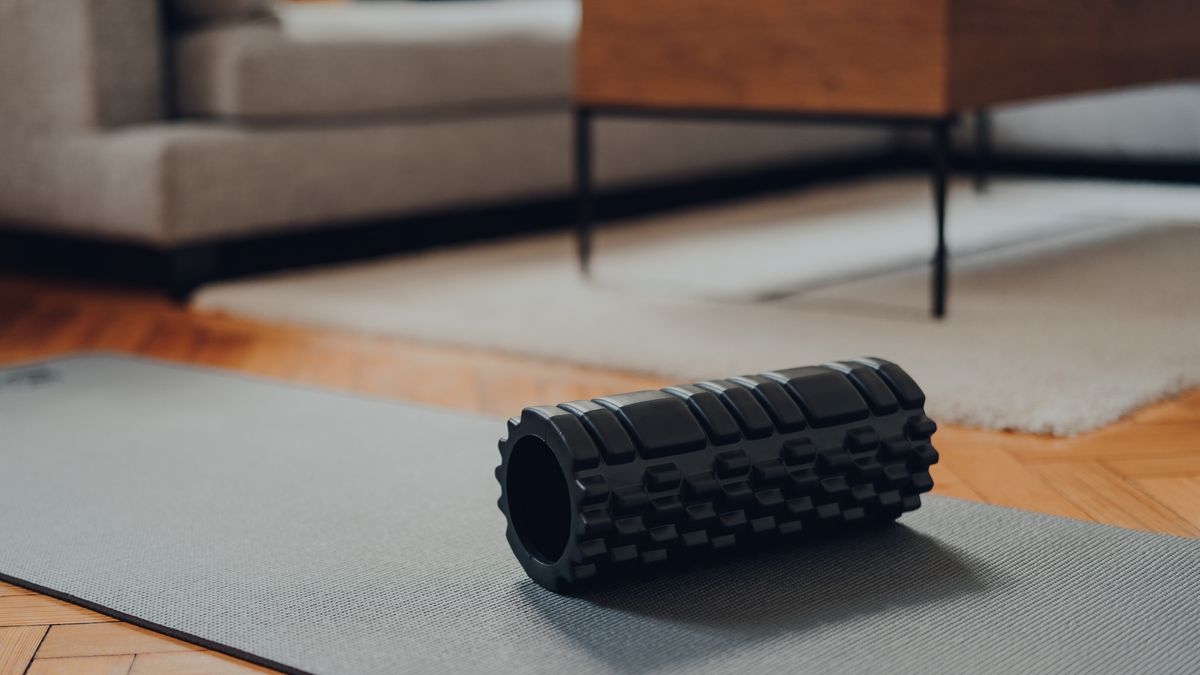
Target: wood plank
{"x": 17, "y": 647}
{"x": 104, "y": 639}
{"x": 504, "y": 389}
{"x": 221, "y": 348}
{"x": 1181, "y": 409}
{"x": 11, "y": 308}
{"x": 1000, "y": 479}
{"x": 126, "y": 330}
{"x": 1181, "y": 495}
{"x": 888, "y": 57}
{"x": 275, "y": 356}
{"x": 426, "y": 377}
{"x": 36, "y": 610}
{"x": 332, "y": 368}
{"x": 1165, "y": 467}
{"x": 77, "y": 332}
{"x": 192, "y": 663}
{"x": 172, "y": 339}
{"x": 86, "y": 665}
{"x": 9, "y": 589}
{"x": 949, "y": 484}
{"x": 1189, "y": 399}
{"x": 23, "y": 338}
{"x": 1119, "y": 441}
{"x": 1002, "y": 51}
{"x": 1109, "y": 499}
{"x": 852, "y": 56}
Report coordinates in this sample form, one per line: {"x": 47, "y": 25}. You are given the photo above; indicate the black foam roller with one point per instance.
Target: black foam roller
{"x": 620, "y": 484}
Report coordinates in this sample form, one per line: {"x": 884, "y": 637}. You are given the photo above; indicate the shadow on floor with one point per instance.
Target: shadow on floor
{"x": 781, "y": 594}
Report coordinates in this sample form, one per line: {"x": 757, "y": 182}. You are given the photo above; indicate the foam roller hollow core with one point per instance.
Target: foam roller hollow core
{"x": 625, "y": 483}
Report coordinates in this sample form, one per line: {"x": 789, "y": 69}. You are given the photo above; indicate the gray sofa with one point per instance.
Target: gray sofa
{"x": 250, "y": 122}
{"x": 210, "y": 120}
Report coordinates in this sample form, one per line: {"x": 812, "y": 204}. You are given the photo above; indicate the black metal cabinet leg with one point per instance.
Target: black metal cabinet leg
{"x": 940, "y": 168}
{"x": 983, "y": 149}
{"x": 583, "y": 187}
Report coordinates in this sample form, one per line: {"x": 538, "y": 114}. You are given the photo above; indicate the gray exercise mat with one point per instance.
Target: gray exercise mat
{"x": 333, "y": 534}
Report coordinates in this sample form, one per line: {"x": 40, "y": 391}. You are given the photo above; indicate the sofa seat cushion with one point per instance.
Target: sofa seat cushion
{"x": 378, "y": 59}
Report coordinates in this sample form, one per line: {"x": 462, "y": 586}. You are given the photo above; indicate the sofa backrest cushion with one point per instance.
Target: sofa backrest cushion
{"x": 192, "y": 12}
{"x": 79, "y": 64}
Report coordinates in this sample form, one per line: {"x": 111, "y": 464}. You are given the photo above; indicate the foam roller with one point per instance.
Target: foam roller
{"x": 621, "y": 484}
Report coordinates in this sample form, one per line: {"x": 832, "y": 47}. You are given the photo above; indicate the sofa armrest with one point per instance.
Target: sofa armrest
{"x": 77, "y": 64}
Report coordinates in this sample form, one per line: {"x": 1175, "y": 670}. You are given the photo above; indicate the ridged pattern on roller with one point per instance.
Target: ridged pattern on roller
{"x": 664, "y": 475}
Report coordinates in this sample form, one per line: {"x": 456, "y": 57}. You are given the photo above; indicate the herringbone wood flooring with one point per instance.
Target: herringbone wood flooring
{"x": 1143, "y": 472}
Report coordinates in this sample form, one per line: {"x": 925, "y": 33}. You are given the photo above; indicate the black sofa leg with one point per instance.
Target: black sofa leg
{"x": 186, "y": 268}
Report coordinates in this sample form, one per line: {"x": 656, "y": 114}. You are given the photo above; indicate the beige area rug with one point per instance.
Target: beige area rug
{"x": 1095, "y": 312}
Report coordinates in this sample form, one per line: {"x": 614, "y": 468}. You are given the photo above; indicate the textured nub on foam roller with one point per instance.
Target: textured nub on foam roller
{"x": 618, "y": 484}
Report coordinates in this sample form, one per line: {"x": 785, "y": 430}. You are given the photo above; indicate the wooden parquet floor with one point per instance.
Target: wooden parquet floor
{"x": 1142, "y": 472}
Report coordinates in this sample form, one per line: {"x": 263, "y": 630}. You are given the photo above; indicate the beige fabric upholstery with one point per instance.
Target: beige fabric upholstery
{"x": 107, "y": 185}
{"x": 73, "y": 64}
{"x": 176, "y": 183}
{"x": 378, "y": 59}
